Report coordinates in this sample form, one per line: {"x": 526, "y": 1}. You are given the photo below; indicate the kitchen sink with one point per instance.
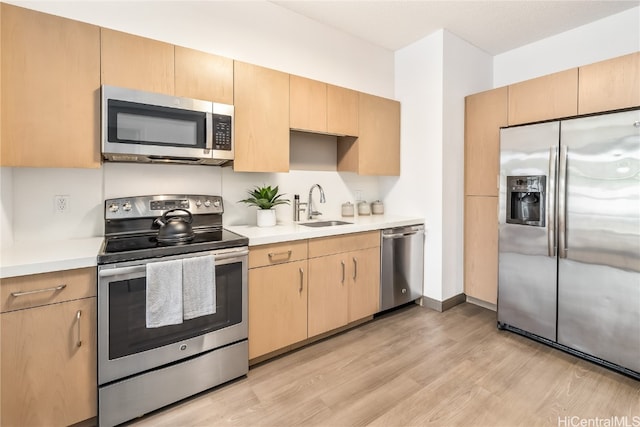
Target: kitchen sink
{"x": 324, "y": 223}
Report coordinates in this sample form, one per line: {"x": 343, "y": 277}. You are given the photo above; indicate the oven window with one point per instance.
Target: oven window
{"x": 128, "y": 333}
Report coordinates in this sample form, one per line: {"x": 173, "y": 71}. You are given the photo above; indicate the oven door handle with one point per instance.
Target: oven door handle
{"x": 122, "y": 270}
{"x": 110, "y": 272}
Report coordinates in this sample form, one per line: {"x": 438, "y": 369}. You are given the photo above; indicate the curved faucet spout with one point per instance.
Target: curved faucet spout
{"x": 311, "y": 212}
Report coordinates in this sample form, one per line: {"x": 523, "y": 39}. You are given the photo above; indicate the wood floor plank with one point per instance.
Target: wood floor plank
{"x": 414, "y": 367}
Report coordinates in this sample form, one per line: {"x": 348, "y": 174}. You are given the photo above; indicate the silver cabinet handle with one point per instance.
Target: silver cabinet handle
{"x": 301, "y": 280}
{"x": 37, "y": 291}
{"x": 342, "y": 262}
{"x": 78, "y": 316}
{"x": 355, "y": 268}
{"x": 274, "y": 254}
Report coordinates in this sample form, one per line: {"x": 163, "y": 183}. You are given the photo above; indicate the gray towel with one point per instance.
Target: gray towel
{"x": 199, "y": 286}
{"x": 164, "y": 293}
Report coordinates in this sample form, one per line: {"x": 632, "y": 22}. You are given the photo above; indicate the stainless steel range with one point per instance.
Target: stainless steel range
{"x": 172, "y": 303}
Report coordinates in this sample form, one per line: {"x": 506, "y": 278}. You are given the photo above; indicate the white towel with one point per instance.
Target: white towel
{"x": 199, "y": 286}
{"x": 164, "y": 293}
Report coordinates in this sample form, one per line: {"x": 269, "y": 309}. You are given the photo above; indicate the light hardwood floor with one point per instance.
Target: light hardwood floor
{"x": 417, "y": 367}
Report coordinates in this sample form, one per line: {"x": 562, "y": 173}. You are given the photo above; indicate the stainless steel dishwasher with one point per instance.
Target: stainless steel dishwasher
{"x": 401, "y": 265}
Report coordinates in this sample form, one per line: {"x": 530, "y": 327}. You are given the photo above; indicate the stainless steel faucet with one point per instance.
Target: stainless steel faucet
{"x": 310, "y": 211}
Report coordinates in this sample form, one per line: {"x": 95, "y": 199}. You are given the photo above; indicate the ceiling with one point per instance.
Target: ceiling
{"x": 493, "y": 26}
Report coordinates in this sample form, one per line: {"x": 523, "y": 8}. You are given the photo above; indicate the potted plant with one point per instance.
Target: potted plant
{"x": 265, "y": 198}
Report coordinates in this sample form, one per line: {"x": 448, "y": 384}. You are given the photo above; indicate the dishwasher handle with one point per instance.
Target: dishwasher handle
{"x": 410, "y": 231}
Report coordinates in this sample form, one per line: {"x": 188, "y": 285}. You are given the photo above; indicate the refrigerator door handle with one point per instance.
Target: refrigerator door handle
{"x": 562, "y": 202}
{"x": 551, "y": 204}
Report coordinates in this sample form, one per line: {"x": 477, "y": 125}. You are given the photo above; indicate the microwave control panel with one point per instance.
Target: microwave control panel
{"x": 222, "y": 132}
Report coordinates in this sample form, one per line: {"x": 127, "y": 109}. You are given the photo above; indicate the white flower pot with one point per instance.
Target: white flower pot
{"x": 266, "y": 217}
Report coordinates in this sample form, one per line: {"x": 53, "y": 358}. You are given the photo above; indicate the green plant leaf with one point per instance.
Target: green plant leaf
{"x": 265, "y": 197}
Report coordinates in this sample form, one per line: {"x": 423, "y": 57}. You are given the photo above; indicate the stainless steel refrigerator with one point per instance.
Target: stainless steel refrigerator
{"x": 569, "y": 236}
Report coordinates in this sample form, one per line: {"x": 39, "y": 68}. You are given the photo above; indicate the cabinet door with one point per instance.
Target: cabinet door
{"x": 376, "y": 151}
{"x": 485, "y": 113}
{"x": 342, "y": 111}
{"x": 137, "y": 62}
{"x": 481, "y": 248}
{"x": 261, "y": 119}
{"x": 328, "y": 293}
{"x": 277, "y": 307}
{"x": 308, "y": 104}
{"x": 544, "y": 98}
{"x": 47, "y": 379}
{"x": 50, "y": 90}
{"x": 610, "y": 85}
{"x": 364, "y": 286}
{"x": 201, "y": 75}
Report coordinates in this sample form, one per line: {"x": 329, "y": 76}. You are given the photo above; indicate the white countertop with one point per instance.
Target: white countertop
{"x": 43, "y": 257}
{"x": 26, "y": 258}
{"x": 296, "y": 231}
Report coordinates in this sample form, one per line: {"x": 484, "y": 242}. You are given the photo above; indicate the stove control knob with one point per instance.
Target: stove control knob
{"x": 198, "y": 203}
{"x": 126, "y": 206}
{"x": 216, "y": 203}
{"x": 113, "y": 207}
{"x": 207, "y": 203}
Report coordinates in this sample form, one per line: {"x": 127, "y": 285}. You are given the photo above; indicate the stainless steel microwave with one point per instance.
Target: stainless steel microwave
{"x": 149, "y": 127}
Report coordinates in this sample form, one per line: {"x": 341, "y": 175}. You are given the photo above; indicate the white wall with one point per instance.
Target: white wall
{"x": 606, "y": 38}
{"x": 467, "y": 70}
{"x": 6, "y": 207}
{"x": 433, "y": 76}
{"x": 418, "y": 190}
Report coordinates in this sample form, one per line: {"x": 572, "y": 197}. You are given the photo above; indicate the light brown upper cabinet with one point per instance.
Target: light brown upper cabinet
{"x": 308, "y": 100}
{"x": 609, "y": 85}
{"x": 201, "y": 75}
{"x": 544, "y": 98}
{"x": 376, "y": 151}
{"x": 485, "y": 113}
{"x": 137, "y": 63}
{"x": 342, "y": 111}
{"x": 262, "y": 119}
{"x": 50, "y": 90}
{"x": 322, "y": 108}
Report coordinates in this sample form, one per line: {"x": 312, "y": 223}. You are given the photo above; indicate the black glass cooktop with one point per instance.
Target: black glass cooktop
{"x": 141, "y": 246}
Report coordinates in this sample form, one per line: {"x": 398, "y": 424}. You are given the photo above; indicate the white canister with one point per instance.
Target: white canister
{"x": 363, "y": 208}
{"x": 347, "y": 209}
{"x": 377, "y": 208}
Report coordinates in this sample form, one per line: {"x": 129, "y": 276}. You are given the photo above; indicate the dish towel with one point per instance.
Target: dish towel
{"x": 199, "y": 286}
{"x": 164, "y": 293}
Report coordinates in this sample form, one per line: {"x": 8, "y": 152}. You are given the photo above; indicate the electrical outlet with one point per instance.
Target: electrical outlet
{"x": 61, "y": 204}
{"x": 358, "y": 194}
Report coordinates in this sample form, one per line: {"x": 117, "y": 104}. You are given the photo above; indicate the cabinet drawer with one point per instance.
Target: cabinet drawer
{"x": 47, "y": 288}
{"x": 347, "y": 242}
{"x": 277, "y": 253}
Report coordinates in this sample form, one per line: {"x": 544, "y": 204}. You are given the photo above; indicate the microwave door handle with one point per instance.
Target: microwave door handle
{"x": 209, "y": 131}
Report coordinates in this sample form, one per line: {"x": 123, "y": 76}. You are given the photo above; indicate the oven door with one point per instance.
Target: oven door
{"x": 127, "y": 347}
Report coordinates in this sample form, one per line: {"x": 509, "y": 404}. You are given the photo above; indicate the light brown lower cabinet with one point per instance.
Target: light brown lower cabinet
{"x": 481, "y": 248}
{"x": 48, "y": 338}
{"x": 49, "y": 364}
{"x": 343, "y": 286}
{"x": 292, "y": 298}
{"x": 277, "y": 307}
